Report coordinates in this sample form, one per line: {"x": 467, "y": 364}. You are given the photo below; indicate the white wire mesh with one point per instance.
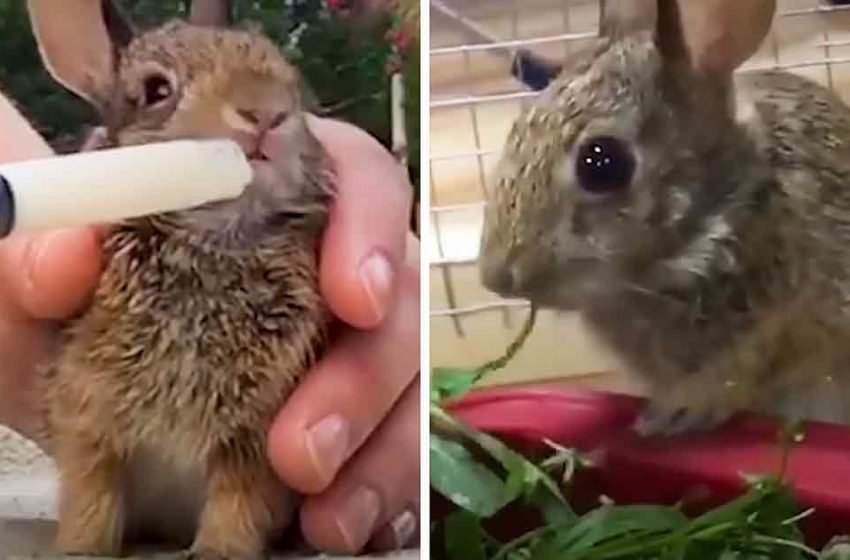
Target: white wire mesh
{"x": 474, "y": 100}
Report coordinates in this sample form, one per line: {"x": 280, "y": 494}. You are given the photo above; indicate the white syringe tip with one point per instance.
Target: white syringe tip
{"x": 110, "y": 185}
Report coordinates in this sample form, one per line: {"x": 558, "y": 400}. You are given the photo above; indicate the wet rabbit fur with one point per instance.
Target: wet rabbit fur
{"x": 158, "y": 405}
{"x": 698, "y": 218}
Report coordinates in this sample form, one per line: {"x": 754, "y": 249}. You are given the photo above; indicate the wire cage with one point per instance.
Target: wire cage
{"x": 474, "y": 101}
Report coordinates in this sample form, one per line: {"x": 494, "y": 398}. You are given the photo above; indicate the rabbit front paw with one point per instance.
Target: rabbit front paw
{"x": 196, "y": 554}
{"x": 658, "y": 419}
{"x": 245, "y": 505}
{"x": 91, "y": 503}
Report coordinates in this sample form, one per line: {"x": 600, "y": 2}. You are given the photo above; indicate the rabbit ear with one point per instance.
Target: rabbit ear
{"x": 78, "y": 41}
{"x": 620, "y": 18}
{"x": 723, "y": 34}
{"x": 670, "y": 36}
{"x": 714, "y": 36}
{"x": 210, "y": 13}
{"x": 120, "y": 30}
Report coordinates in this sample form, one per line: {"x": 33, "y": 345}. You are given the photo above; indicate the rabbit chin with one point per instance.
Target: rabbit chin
{"x": 573, "y": 288}
{"x": 277, "y": 191}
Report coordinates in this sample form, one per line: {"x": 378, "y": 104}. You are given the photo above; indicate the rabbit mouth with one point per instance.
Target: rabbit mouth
{"x": 565, "y": 288}
{"x": 532, "y": 276}
{"x": 258, "y": 155}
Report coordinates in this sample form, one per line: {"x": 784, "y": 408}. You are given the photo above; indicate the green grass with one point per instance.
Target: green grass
{"x": 481, "y": 477}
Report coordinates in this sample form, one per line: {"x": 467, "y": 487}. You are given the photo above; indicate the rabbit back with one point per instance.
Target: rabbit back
{"x": 802, "y": 130}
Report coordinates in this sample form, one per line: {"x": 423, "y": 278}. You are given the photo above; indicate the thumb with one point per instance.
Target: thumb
{"x": 50, "y": 275}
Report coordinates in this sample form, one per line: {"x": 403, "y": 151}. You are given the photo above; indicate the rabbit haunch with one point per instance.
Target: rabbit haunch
{"x": 204, "y": 320}
{"x": 718, "y": 269}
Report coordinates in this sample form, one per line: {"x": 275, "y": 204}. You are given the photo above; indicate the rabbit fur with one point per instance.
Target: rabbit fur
{"x": 159, "y": 401}
{"x": 720, "y": 271}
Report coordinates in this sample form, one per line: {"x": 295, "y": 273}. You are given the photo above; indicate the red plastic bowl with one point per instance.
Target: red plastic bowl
{"x": 703, "y": 469}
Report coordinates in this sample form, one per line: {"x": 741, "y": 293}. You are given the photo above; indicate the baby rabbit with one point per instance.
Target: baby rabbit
{"x": 698, "y": 220}
{"x": 158, "y": 405}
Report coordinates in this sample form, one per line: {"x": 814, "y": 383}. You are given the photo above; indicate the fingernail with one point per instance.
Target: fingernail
{"x": 327, "y": 445}
{"x": 47, "y": 245}
{"x": 404, "y": 527}
{"x": 377, "y": 274}
{"x": 39, "y": 251}
{"x": 357, "y": 517}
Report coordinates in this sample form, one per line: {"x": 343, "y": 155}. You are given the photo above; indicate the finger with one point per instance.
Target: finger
{"x": 51, "y": 275}
{"x": 19, "y": 140}
{"x": 347, "y": 395}
{"x": 363, "y": 247}
{"x": 44, "y": 276}
{"x": 378, "y": 489}
{"x": 24, "y": 343}
{"x": 412, "y": 251}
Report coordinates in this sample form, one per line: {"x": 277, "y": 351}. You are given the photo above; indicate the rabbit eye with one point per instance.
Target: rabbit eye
{"x": 157, "y": 89}
{"x": 604, "y": 164}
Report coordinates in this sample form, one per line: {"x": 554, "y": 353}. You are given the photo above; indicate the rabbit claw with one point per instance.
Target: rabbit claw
{"x": 198, "y": 555}
{"x": 194, "y": 554}
{"x": 666, "y": 421}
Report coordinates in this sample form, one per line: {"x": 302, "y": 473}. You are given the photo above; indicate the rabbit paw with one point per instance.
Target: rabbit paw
{"x": 663, "y": 420}
{"x": 196, "y": 554}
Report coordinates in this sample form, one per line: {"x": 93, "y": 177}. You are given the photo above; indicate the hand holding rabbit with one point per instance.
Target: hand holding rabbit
{"x": 353, "y": 244}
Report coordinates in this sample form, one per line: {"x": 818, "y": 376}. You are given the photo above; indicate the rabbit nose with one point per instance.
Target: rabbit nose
{"x": 263, "y": 119}
{"x": 498, "y": 274}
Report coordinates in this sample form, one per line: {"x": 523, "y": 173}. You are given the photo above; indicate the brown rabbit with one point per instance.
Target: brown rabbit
{"x": 204, "y": 320}
{"x": 698, "y": 218}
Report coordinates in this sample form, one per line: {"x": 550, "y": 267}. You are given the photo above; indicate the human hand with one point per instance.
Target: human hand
{"x": 42, "y": 278}
{"x": 369, "y": 376}
{"x": 348, "y": 437}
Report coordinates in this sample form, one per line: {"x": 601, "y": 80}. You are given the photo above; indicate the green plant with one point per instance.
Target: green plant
{"x": 481, "y": 477}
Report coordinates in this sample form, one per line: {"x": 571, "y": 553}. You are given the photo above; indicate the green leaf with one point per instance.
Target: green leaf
{"x": 555, "y": 511}
{"x": 464, "y": 536}
{"x": 530, "y": 475}
{"x": 767, "y": 498}
{"x": 464, "y": 481}
{"x": 523, "y": 475}
{"x": 607, "y": 523}
{"x": 733, "y": 511}
{"x": 451, "y": 382}
{"x": 838, "y": 549}
{"x": 759, "y": 525}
